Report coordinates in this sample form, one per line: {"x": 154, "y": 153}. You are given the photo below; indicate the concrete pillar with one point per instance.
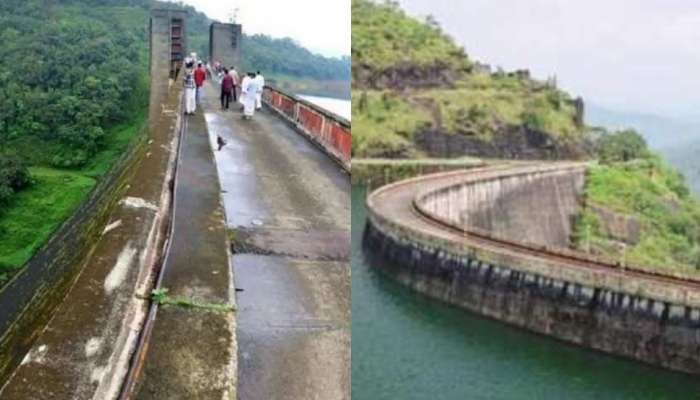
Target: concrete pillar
{"x": 168, "y": 42}
{"x": 225, "y": 44}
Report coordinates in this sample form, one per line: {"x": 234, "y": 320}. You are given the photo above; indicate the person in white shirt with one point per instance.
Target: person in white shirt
{"x": 260, "y": 80}
{"x": 249, "y": 90}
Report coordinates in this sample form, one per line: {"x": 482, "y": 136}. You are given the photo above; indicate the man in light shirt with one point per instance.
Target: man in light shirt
{"x": 260, "y": 80}
{"x": 236, "y": 81}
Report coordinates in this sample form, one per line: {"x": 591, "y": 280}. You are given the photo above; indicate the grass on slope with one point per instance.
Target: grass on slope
{"x": 384, "y": 122}
{"x": 383, "y": 36}
{"x": 36, "y": 212}
{"x": 657, "y": 196}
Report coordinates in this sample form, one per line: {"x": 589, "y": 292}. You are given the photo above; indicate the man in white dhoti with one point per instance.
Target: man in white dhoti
{"x": 190, "y": 94}
{"x": 260, "y": 80}
{"x": 249, "y": 90}
{"x": 244, "y": 83}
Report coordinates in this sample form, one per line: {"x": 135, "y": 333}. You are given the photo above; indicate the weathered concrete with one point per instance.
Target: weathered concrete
{"x": 168, "y": 41}
{"x": 627, "y": 312}
{"x": 331, "y": 132}
{"x": 289, "y": 206}
{"x": 225, "y": 44}
{"x": 192, "y": 351}
{"x": 537, "y": 207}
{"x": 84, "y": 351}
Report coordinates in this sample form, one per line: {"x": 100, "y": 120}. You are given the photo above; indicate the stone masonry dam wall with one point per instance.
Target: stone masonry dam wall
{"x": 418, "y": 233}
{"x": 331, "y": 132}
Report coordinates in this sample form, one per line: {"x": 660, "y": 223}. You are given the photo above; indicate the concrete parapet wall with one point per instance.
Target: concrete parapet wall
{"x": 330, "y": 131}
{"x": 376, "y": 172}
{"x": 535, "y": 205}
{"x": 632, "y": 313}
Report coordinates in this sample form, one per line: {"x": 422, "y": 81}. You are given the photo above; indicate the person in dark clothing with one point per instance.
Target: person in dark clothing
{"x": 226, "y": 89}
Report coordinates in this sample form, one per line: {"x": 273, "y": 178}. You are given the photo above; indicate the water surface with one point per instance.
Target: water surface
{"x": 337, "y": 106}
{"x": 406, "y": 346}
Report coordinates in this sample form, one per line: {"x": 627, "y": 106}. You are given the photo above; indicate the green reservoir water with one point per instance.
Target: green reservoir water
{"x": 406, "y": 346}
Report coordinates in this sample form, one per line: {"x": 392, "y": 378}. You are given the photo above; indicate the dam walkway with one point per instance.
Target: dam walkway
{"x": 288, "y": 208}
{"x": 252, "y": 296}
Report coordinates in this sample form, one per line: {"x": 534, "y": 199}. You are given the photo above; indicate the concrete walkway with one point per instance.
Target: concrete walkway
{"x": 192, "y": 352}
{"x": 289, "y": 207}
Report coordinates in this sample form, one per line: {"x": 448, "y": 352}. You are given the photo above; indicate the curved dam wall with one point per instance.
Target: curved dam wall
{"x": 537, "y": 207}
{"x": 641, "y": 316}
{"x": 331, "y": 132}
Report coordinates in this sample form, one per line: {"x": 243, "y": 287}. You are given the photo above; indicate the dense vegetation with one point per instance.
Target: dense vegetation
{"x": 409, "y": 76}
{"x": 383, "y": 37}
{"x": 68, "y": 73}
{"x": 73, "y": 92}
{"x": 73, "y": 96}
{"x": 657, "y": 221}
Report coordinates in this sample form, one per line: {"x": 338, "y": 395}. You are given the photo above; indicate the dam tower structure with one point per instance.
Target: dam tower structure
{"x": 168, "y": 41}
{"x": 225, "y": 43}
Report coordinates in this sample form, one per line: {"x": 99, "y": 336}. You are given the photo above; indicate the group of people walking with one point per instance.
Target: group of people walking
{"x": 251, "y": 86}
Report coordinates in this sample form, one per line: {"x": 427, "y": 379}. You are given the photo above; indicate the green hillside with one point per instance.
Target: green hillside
{"x": 638, "y": 210}
{"x": 411, "y": 79}
{"x": 73, "y": 95}
{"x": 74, "y": 90}
{"x": 417, "y": 94}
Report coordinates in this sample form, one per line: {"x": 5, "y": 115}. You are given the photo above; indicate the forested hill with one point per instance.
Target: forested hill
{"x": 292, "y": 67}
{"x": 74, "y": 93}
{"x": 276, "y": 57}
{"x": 416, "y": 92}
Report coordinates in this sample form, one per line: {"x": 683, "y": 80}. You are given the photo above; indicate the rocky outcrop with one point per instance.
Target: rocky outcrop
{"x": 616, "y": 226}
{"x": 403, "y": 77}
{"x": 514, "y": 142}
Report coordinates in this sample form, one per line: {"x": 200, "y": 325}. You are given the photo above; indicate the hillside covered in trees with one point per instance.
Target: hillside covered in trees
{"x": 74, "y": 90}
{"x": 417, "y": 92}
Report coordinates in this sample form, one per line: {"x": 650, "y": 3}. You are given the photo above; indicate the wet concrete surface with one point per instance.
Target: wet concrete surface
{"x": 192, "y": 351}
{"x": 288, "y": 206}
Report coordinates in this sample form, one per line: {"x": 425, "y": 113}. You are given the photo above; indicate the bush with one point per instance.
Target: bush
{"x": 14, "y": 176}
{"x": 621, "y": 146}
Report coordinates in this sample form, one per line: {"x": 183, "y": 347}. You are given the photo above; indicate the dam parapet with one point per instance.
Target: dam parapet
{"x": 437, "y": 235}
{"x": 331, "y": 132}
